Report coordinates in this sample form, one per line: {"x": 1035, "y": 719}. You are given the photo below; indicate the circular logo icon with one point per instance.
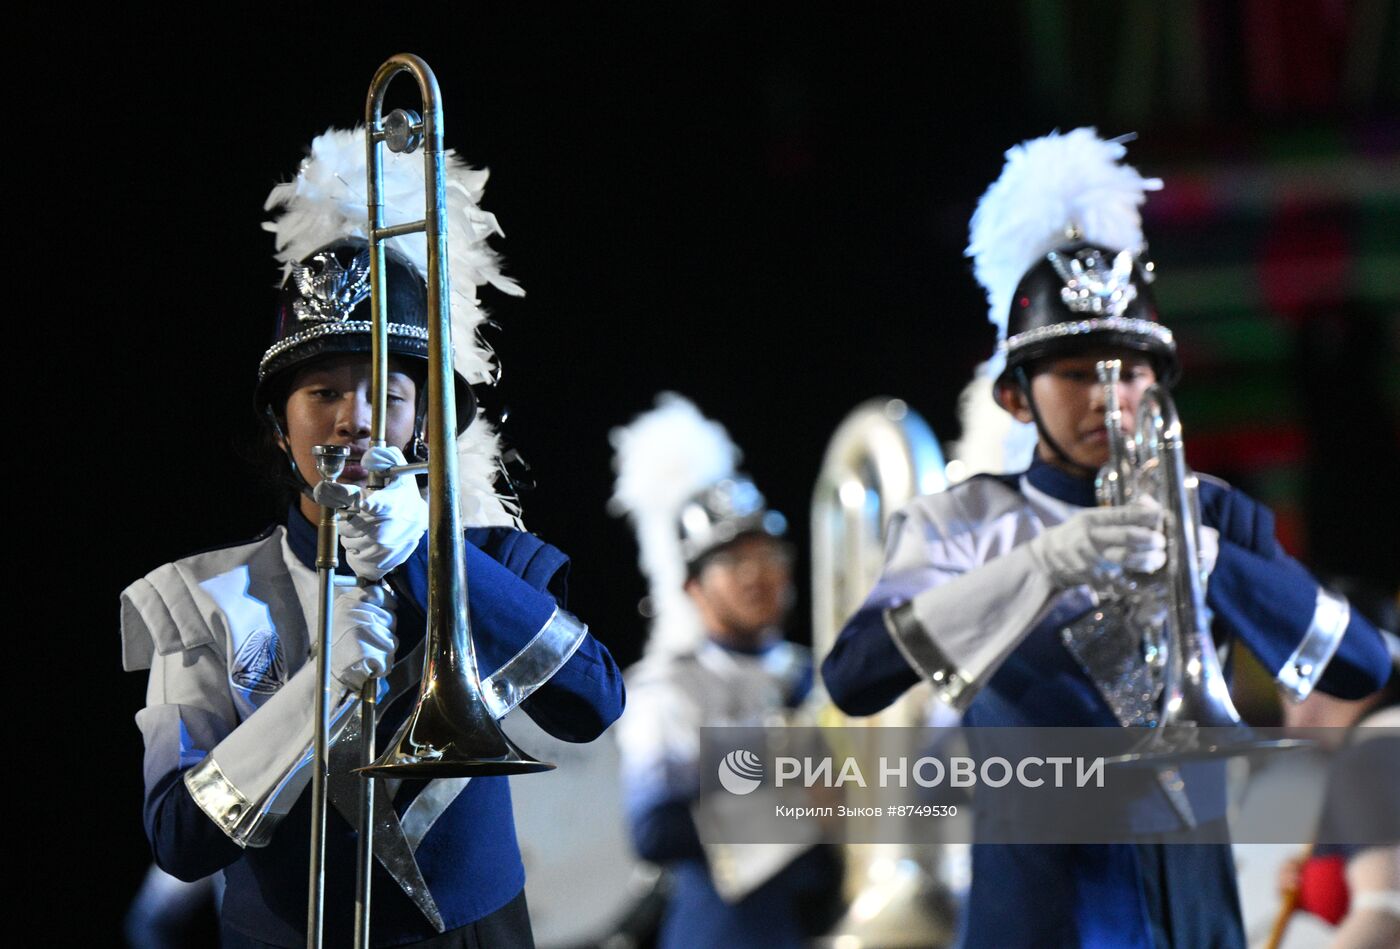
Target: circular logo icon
{"x": 740, "y": 772}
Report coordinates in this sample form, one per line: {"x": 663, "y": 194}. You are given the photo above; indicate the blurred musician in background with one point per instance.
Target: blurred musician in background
{"x": 720, "y": 578}
{"x": 1353, "y": 888}
{"x": 989, "y": 588}
{"x": 226, "y": 633}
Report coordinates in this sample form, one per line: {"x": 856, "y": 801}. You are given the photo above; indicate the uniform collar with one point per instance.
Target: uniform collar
{"x": 1060, "y": 484}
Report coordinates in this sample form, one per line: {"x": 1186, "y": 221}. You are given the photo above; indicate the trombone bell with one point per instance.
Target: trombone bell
{"x": 451, "y": 733}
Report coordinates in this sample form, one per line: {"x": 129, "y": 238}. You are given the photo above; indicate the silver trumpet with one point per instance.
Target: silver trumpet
{"x": 1176, "y": 640}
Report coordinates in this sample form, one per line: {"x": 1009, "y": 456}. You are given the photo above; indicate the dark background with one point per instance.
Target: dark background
{"x": 762, "y": 207}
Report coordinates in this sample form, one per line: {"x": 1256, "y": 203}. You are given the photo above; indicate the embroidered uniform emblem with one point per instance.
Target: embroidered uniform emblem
{"x": 329, "y": 291}
{"x": 259, "y": 665}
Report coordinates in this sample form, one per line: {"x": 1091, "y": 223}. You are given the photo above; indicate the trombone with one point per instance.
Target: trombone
{"x": 450, "y": 731}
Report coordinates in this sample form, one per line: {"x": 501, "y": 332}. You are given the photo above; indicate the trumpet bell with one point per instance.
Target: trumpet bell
{"x": 1199, "y": 720}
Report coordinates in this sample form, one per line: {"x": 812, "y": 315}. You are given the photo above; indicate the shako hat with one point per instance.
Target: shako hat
{"x": 320, "y": 227}
{"x": 323, "y": 309}
{"x": 678, "y": 483}
{"x": 1057, "y": 245}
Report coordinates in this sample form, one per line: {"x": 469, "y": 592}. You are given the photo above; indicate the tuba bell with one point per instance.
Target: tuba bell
{"x": 882, "y": 455}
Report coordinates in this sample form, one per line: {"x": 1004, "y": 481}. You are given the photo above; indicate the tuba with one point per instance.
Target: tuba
{"x": 882, "y": 455}
{"x": 451, "y": 731}
{"x": 1177, "y": 645}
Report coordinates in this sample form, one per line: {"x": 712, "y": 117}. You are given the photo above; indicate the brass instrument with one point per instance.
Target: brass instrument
{"x": 330, "y": 462}
{"x": 450, "y": 732}
{"x": 882, "y": 455}
{"x": 1195, "y": 694}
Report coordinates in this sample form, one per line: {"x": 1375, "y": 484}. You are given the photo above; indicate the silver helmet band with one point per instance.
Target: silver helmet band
{"x": 1110, "y": 324}
{"x": 401, "y": 330}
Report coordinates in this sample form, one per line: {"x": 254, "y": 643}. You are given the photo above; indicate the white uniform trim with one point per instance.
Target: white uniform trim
{"x": 960, "y": 588}
{"x": 226, "y": 636}
{"x": 1301, "y": 670}
{"x": 193, "y": 622}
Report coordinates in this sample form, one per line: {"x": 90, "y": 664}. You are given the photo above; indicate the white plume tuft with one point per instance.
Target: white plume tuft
{"x": 478, "y": 465}
{"x": 326, "y": 201}
{"x": 664, "y": 458}
{"x": 1048, "y": 185}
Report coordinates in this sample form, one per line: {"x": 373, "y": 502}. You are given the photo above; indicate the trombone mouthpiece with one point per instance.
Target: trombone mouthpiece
{"x": 330, "y": 460}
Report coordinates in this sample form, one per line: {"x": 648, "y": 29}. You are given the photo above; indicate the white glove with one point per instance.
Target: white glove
{"x": 1101, "y": 541}
{"x": 362, "y": 635}
{"x": 379, "y": 529}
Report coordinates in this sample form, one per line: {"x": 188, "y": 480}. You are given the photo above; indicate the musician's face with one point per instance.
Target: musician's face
{"x": 743, "y": 592}
{"x": 1072, "y": 403}
{"x": 329, "y": 404}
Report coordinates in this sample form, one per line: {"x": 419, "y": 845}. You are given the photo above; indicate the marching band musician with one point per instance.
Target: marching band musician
{"x": 988, "y": 587}
{"x": 226, "y": 633}
{"x": 1354, "y": 887}
{"x": 720, "y": 579}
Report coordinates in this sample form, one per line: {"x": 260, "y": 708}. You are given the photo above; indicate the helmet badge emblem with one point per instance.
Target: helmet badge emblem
{"x": 329, "y": 291}
{"x": 1092, "y": 287}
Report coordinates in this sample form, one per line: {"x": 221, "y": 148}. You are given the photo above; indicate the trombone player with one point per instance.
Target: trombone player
{"x": 228, "y": 718}
{"x": 987, "y": 588}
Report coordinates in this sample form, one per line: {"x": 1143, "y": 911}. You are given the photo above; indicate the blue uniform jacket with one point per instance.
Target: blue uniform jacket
{"x": 1112, "y": 895}
{"x": 469, "y": 858}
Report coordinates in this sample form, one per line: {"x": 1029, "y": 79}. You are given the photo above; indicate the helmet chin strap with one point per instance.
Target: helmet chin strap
{"x": 299, "y": 482}
{"x": 1023, "y": 380}
{"x": 418, "y": 446}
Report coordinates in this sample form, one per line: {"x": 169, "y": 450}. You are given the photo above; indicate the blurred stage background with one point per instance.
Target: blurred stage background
{"x": 760, "y": 206}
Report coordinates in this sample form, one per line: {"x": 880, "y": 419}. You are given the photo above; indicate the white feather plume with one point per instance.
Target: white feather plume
{"x": 326, "y": 201}
{"x": 664, "y": 458}
{"x": 478, "y": 467}
{"x": 1048, "y": 185}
